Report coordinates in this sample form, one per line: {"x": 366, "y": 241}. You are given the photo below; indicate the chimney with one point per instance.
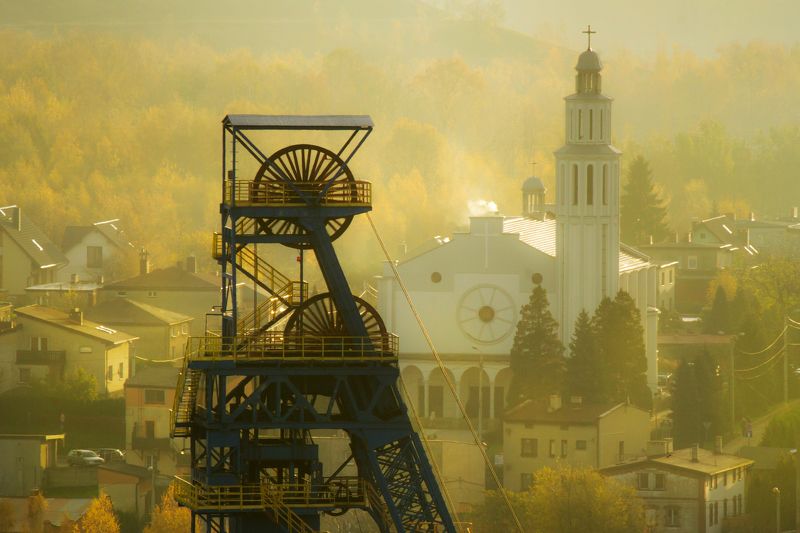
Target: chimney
{"x": 144, "y": 262}
{"x": 554, "y": 403}
{"x": 677, "y": 237}
{"x": 795, "y": 215}
{"x": 76, "y": 315}
{"x": 718, "y": 445}
{"x": 16, "y": 217}
{"x": 695, "y": 448}
{"x": 651, "y": 239}
{"x": 689, "y": 237}
{"x": 191, "y": 264}
{"x": 74, "y": 279}
{"x": 752, "y": 216}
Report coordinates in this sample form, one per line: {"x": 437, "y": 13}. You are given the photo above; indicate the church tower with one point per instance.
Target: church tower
{"x": 587, "y": 199}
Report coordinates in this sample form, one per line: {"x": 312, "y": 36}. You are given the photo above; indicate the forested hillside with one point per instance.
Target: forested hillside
{"x": 97, "y": 124}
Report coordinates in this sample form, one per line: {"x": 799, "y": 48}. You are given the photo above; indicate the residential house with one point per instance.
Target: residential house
{"x": 23, "y": 459}
{"x": 149, "y": 397}
{"x": 52, "y": 345}
{"x": 8, "y": 350}
{"x": 95, "y": 253}
{"x": 667, "y": 273}
{"x": 162, "y": 334}
{"x": 698, "y": 263}
{"x": 27, "y": 256}
{"x": 65, "y": 295}
{"x": 130, "y": 487}
{"x": 690, "y": 490}
{"x": 545, "y": 433}
{"x": 180, "y": 290}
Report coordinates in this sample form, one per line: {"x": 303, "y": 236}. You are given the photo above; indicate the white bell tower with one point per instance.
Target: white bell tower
{"x": 587, "y": 198}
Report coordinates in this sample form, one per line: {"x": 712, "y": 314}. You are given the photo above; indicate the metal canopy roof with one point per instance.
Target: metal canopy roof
{"x": 299, "y": 122}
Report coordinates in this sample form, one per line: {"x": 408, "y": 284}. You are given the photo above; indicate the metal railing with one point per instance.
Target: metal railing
{"x": 340, "y": 492}
{"x": 278, "y": 193}
{"x": 218, "y": 497}
{"x": 275, "y": 345}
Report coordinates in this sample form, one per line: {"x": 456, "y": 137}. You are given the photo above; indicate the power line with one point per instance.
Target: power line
{"x": 771, "y": 345}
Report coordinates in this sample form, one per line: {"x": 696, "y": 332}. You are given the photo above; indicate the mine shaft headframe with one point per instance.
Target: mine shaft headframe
{"x": 298, "y": 175}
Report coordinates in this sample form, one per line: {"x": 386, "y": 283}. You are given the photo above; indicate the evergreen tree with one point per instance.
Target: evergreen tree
{"x": 620, "y": 340}
{"x": 711, "y": 401}
{"x": 718, "y": 318}
{"x": 585, "y": 369}
{"x": 642, "y": 212}
{"x": 537, "y": 355}
{"x": 686, "y": 423}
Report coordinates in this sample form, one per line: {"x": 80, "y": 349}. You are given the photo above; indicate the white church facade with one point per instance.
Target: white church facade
{"x": 470, "y": 287}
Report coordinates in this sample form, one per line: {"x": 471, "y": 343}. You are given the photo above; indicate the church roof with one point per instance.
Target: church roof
{"x": 541, "y": 234}
{"x": 589, "y": 61}
{"x": 533, "y": 184}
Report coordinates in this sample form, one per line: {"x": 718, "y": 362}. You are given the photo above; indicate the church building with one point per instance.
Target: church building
{"x": 469, "y": 288}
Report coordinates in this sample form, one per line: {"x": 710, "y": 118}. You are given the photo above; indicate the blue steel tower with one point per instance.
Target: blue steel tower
{"x": 252, "y": 392}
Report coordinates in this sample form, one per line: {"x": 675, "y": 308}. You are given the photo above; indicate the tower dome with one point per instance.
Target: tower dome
{"x": 533, "y": 184}
{"x": 589, "y": 61}
{"x": 533, "y": 191}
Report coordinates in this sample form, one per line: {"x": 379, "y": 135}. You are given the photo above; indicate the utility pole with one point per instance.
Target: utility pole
{"x": 777, "y": 492}
{"x": 786, "y": 361}
{"x": 732, "y": 385}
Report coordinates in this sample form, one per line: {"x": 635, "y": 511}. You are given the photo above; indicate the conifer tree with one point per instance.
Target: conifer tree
{"x": 710, "y": 396}
{"x": 585, "y": 370}
{"x": 685, "y": 413}
{"x": 620, "y": 340}
{"x": 642, "y": 212}
{"x": 537, "y": 355}
{"x": 718, "y": 318}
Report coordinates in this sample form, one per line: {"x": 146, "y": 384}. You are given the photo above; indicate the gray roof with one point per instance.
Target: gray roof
{"x": 299, "y": 122}
{"x": 124, "y": 311}
{"x": 30, "y": 238}
{"x": 589, "y": 61}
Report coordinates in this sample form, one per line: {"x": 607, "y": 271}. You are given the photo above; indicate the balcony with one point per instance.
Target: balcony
{"x": 41, "y": 357}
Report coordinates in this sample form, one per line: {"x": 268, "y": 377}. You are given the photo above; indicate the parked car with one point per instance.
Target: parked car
{"x": 111, "y": 455}
{"x": 84, "y": 458}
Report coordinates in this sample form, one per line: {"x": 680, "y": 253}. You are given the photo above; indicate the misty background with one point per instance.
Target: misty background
{"x": 112, "y": 109}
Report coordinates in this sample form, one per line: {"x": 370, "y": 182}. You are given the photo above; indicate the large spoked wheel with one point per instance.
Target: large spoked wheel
{"x": 305, "y": 174}
{"x": 318, "y": 318}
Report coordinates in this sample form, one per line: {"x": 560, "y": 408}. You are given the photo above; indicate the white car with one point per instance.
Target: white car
{"x": 84, "y": 458}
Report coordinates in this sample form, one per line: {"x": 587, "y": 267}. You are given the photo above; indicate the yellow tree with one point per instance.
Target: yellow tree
{"x": 6, "y": 515}
{"x": 99, "y": 517}
{"x": 169, "y": 517}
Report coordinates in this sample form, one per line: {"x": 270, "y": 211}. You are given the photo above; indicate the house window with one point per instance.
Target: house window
{"x": 672, "y": 517}
{"x": 121, "y": 370}
{"x": 564, "y": 447}
{"x": 714, "y": 481}
{"x": 24, "y": 375}
{"x": 525, "y": 480}
{"x": 740, "y": 506}
{"x": 552, "y": 448}
{"x": 590, "y": 185}
{"x": 725, "y": 508}
{"x": 174, "y": 331}
{"x": 150, "y": 429}
{"x": 670, "y": 276}
{"x": 691, "y": 262}
{"x": 580, "y": 444}
{"x": 622, "y": 450}
{"x": 154, "y": 396}
{"x": 38, "y": 344}
{"x": 94, "y": 256}
{"x": 530, "y": 448}
{"x": 660, "y": 481}
{"x": 724, "y": 479}
{"x": 185, "y": 328}
{"x": 716, "y": 513}
{"x": 710, "y": 514}
{"x": 152, "y": 294}
{"x": 643, "y": 481}
{"x": 110, "y": 373}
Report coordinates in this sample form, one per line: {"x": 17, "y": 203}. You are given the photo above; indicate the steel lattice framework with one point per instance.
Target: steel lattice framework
{"x": 251, "y": 393}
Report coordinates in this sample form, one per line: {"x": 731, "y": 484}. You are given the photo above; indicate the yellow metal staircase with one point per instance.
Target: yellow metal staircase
{"x": 185, "y": 399}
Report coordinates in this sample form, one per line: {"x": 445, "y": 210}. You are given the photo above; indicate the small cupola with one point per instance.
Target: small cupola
{"x": 588, "y": 79}
{"x": 533, "y": 191}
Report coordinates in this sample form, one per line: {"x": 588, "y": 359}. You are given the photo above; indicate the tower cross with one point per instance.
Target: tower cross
{"x": 588, "y": 31}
